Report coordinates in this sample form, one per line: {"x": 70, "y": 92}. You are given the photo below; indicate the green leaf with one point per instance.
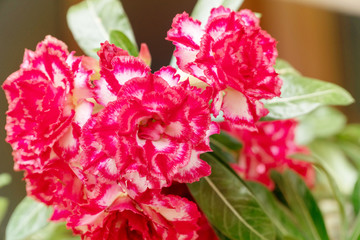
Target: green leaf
{"x": 355, "y": 232}
{"x": 91, "y": 22}
{"x": 5, "y": 179}
{"x": 229, "y": 205}
{"x": 282, "y": 218}
{"x": 122, "y": 41}
{"x": 355, "y": 197}
{"x": 227, "y": 140}
{"x": 349, "y": 141}
{"x": 301, "y": 95}
{"x": 335, "y": 162}
{"x": 323, "y": 122}
{"x": 202, "y": 8}
{"x": 284, "y": 68}
{"x": 54, "y": 231}
{"x": 225, "y": 148}
{"x": 222, "y": 153}
{"x": 338, "y": 197}
{"x": 302, "y": 204}
{"x": 351, "y": 133}
{"x": 4, "y": 203}
{"x": 219, "y": 234}
{"x": 351, "y": 150}
{"x": 28, "y": 218}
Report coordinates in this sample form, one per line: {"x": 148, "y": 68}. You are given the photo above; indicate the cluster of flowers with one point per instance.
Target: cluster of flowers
{"x": 106, "y": 143}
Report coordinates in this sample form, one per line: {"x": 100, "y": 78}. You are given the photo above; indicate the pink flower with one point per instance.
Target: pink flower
{"x": 151, "y": 135}
{"x": 47, "y": 105}
{"x": 117, "y": 67}
{"x": 269, "y": 149}
{"x": 234, "y": 56}
{"x": 113, "y": 214}
{"x": 56, "y": 185}
{"x": 205, "y": 231}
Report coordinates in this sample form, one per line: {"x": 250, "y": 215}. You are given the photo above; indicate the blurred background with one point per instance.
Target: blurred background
{"x": 321, "y": 38}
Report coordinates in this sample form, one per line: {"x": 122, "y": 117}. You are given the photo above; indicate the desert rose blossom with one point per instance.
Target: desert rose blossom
{"x": 113, "y": 214}
{"x": 56, "y": 185}
{"x": 117, "y": 67}
{"x": 152, "y": 133}
{"x": 47, "y": 105}
{"x": 205, "y": 231}
{"x": 270, "y": 149}
{"x": 233, "y": 55}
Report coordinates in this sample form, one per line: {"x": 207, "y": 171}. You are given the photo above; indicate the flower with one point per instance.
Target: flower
{"x": 234, "y": 56}
{"x": 113, "y": 214}
{"x": 47, "y": 105}
{"x": 116, "y": 67}
{"x": 103, "y": 171}
{"x": 56, "y": 185}
{"x": 151, "y": 132}
{"x": 270, "y": 149}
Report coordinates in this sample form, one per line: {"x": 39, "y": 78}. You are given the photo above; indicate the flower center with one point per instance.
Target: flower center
{"x": 151, "y": 129}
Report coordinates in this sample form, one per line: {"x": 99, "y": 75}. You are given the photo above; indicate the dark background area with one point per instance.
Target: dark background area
{"x": 320, "y": 43}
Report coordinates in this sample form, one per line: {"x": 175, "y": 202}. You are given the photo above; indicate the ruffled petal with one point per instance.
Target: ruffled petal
{"x": 240, "y": 110}
{"x": 154, "y": 216}
{"x": 117, "y": 67}
{"x": 269, "y": 149}
{"x": 48, "y": 105}
{"x": 185, "y": 31}
{"x": 231, "y": 52}
{"x": 169, "y": 75}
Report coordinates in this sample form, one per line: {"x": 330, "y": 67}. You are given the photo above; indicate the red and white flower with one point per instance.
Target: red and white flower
{"x": 116, "y": 68}
{"x": 56, "y": 185}
{"x": 152, "y": 134}
{"x": 234, "y": 56}
{"x": 270, "y": 149}
{"x": 113, "y": 214}
{"x": 47, "y": 105}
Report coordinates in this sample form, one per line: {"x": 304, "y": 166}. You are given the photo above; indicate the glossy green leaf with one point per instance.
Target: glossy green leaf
{"x": 284, "y": 68}
{"x": 354, "y": 234}
{"x": 91, "y": 22}
{"x": 301, "y": 95}
{"x": 355, "y": 197}
{"x": 229, "y": 205}
{"x": 323, "y": 122}
{"x": 28, "y": 218}
{"x": 302, "y": 204}
{"x": 349, "y": 141}
{"x": 335, "y": 163}
{"x": 4, "y": 203}
{"x": 351, "y": 133}
{"x": 225, "y": 147}
{"x": 225, "y": 139}
{"x": 122, "y": 41}
{"x": 54, "y": 231}
{"x": 324, "y": 177}
{"x": 5, "y": 179}
{"x": 282, "y": 218}
{"x": 351, "y": 150}
{"x": 221, "y": 152}
{"x": 220, "y": 235}
{"x": 202, "y": 8}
